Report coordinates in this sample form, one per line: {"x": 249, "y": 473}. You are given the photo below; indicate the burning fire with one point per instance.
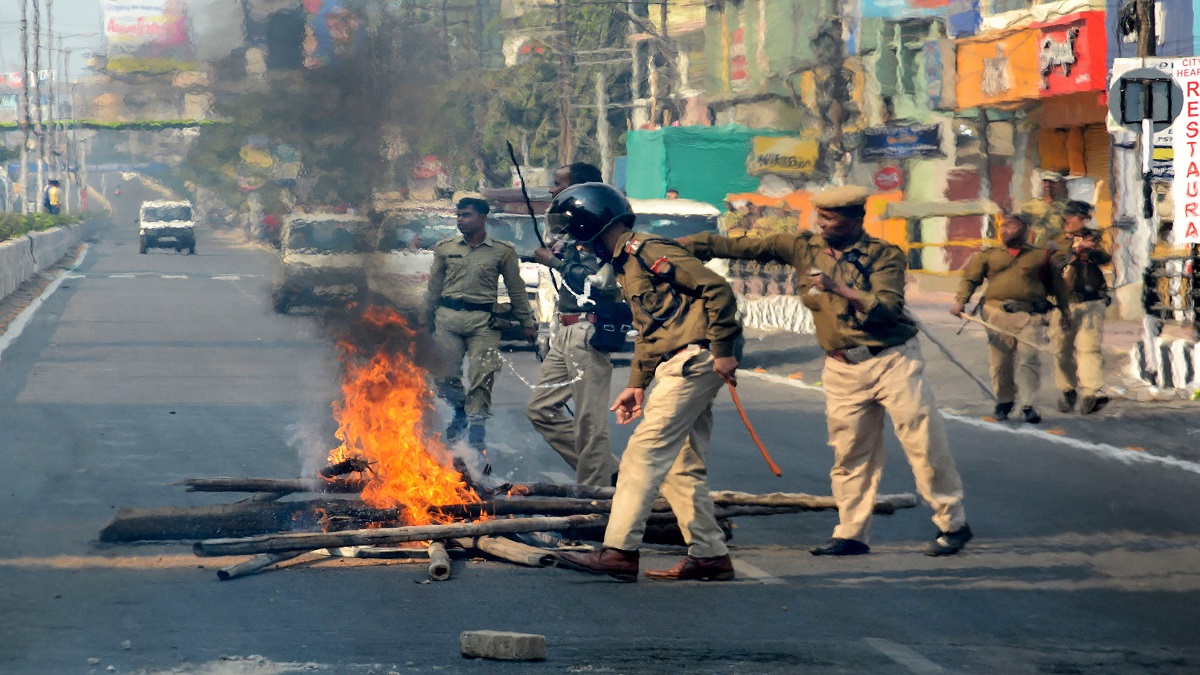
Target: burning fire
{"x": 381, "y": 419}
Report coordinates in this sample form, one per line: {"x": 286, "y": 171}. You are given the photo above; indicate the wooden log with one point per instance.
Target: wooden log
{"x": 308, "y": 541}
{"x": 569, "y": 490}
{"x": 223, "y": 520}
{"x": 439, "y": 561}
{"x": 263, "y": 497}
{"x": 255, "y": 564}
{"x": 509, "y": 550}
{"x": 287, "y": 485}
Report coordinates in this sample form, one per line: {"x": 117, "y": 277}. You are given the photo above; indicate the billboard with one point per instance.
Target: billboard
{"x": 147, "y": 35}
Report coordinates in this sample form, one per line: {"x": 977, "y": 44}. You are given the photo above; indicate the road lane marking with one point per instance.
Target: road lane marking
{"x": 227, "y": 277}
{"x": 18, "y": 324}
{"x": 174, "y": 276}
{"x": 745, "y": 569}
{"x": 122, "y": 276}
{"x": 905, "y": 656}
{"x": 558, "y": 476}
{"x": 1105, "y": 450}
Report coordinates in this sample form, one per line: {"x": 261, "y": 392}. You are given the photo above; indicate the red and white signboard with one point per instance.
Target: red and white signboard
{"x": 888, "y": 178}
{"x": 1186, "y": 188}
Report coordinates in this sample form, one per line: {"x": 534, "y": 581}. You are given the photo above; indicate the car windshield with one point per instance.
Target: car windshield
{"x": 329, "y": 236}
{"x": 166, "y": 214}
{"x": 517, "y": 230}
{"x": 673, "y": 226}
{"x": 416, "y": 231}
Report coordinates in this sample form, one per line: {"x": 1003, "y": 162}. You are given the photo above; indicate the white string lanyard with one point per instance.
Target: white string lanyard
{"x": 552, "y": 385}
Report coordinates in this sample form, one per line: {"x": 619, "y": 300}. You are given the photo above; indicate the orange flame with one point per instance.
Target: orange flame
{"x": 381, "y": 418}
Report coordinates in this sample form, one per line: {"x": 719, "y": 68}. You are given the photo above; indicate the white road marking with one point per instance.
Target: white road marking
{"x": 122, "y": 276}
{"x": 558, "y": 477}
{"x": 1101, "y": 449}
{"x": 76, "y": 276}
{"x": 18, "y": 324}
{"x": 745, "y": 569}
{"x": 174, "y": 276}
{"x": 227, "y": 277}
{"x": 905, "y": 656}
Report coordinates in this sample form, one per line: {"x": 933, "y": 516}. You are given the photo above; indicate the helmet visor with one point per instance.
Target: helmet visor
{"x": 557, "y": 223}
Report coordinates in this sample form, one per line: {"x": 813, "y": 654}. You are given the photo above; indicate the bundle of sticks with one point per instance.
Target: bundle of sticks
{"x": 273, "y": 530}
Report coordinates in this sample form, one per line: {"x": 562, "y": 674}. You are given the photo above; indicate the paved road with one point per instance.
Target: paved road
{"x": 143, "y": 370}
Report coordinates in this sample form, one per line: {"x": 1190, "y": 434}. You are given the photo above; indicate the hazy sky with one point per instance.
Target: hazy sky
{"x": 77, "y": 20}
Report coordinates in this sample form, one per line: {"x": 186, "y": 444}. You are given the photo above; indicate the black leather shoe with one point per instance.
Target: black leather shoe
{"x": 618, "y": 564}
{"x": 1066, "y": 402}
{"x": 949, "y": 543}
{"x": 1091, "y": 404}
{"x": 841, "y": 547}
{"x": 1030, "y": 415}
{"x": 1002, "y": 410}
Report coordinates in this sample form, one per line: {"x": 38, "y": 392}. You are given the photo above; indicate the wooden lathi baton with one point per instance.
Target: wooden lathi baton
{"x": 753, "y": 434}
{"x": 1001, "y": 331}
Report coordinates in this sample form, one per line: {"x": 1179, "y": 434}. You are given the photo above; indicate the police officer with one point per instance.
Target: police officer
{"x": 462, "y": 292}
{"x": 1078, "y": 358}
{"x": 686, "y": 316}
{"x": 854, "y": 285}
{"x": 582, "y": 440}
{"x": 1021, "y": 280}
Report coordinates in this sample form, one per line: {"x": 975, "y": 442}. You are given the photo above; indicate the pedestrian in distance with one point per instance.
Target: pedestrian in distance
{"x": 1020, "y": 282}
{"x": 582, "y": 310}
{"x": 1078, "y": 356}
{"x": 854, "y": 285}
{"x": 463, "y": 288}
{"x": 52, "y": 197}
{"x": 688, "y": 332}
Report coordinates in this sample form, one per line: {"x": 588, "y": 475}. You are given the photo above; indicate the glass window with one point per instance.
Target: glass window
{"x": 166, "y": 214}
{"x": 672, "y": 226}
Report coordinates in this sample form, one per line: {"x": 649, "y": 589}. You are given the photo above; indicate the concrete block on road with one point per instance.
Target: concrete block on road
{"x": 501, "y": 645}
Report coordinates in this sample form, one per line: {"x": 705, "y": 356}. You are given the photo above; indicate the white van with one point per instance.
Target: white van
{"x": 670, "y": 218}
{"x": 398, "y": 273}
{"x": 324, "y": 259}
{"x": 164, "y": 224}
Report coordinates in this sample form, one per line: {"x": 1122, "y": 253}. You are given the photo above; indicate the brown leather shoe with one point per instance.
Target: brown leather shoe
{"x": 618, "y": 564}
{"x": 719, "y": 568}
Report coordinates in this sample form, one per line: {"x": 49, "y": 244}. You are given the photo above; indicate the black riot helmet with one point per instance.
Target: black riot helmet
{"x": 585, "y": 210}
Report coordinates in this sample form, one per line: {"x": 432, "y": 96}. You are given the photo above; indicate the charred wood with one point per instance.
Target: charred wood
{"x": 439, "y": 561}
{"x": 272, "y": 543}
{"x": 255, "y": 564}
{"x": 509, "y": 550}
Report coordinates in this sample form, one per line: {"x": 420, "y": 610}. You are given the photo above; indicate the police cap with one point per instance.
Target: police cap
{"x": 848, "y": 197}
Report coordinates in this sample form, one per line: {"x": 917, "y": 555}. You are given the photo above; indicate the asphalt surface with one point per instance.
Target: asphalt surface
{"x": 142, "y": 370}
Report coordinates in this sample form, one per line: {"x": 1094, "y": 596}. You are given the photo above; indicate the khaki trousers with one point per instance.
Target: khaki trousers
{"x": 1016, "y": 367}
{"x": 857, "y": 396}
{"x": 466, "y": 333}
{"x": 1078, "y": 357}
{"x": 582, "y": 440}
{"x": 668, "y": 451}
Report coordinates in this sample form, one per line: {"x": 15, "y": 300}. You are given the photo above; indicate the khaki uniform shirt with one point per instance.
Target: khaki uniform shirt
{"x": 1081, "y": 273}
{"x": 1028, "y": 277}
{"x": 471, "y": 275}
{"x": 680, "y": 302}
{"x": 881, "y": 322}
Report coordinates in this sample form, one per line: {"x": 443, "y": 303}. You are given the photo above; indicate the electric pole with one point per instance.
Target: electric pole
{"x": 566, "y": 150}
{"x": 24, "y": 191}
{"x": 39, "y": 129}
{"x": 1147, "y": 38}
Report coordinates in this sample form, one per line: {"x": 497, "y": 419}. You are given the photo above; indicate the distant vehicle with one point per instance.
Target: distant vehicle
{"x": 399, "y": 272}
{"x": 163, "y": 224}
{"x": 324, "y": 259}
{"x": 670, "y": 218}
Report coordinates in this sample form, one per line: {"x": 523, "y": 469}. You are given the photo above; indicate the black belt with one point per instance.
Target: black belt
{"x": 461, "y": 305}
{"x": 855, "y": 354}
